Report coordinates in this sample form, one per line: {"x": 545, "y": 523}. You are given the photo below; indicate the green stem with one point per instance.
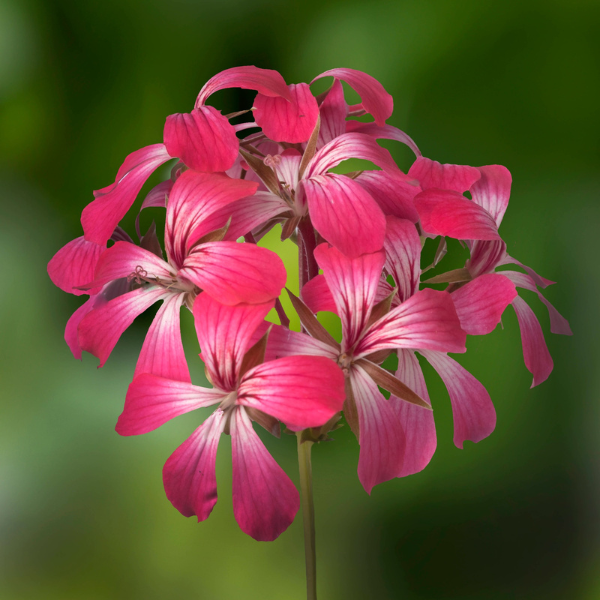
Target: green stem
{"x": 308, "y": 516}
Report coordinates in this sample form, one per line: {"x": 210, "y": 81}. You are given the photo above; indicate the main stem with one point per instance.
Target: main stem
{"x": 308, "y": 516}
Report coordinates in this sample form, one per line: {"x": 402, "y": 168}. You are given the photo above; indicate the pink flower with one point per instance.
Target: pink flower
{"x": 301, "y": 391}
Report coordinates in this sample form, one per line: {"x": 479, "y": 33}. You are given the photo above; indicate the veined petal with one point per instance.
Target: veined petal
{"x": 334, "y": 111}
{"x": 152, "y": 401}
{"x": 449, "y": 213}
{"x": 486, "y": 255}
{"x": 403, "y": 256}
{"x": 265, "y": 81}
{"x": 393, "y": 196}
{"x": 300, "y": 391}
{"x": 203, "y": 139}
{"x": 492, "y": 190}
{"x": 285, "y": 342}
{"x": 74, "y": 265}
{"x": 71, "y": 333}
{"x": 101, "y": 328}
{"x": 265, "y": 500}
{"x": 426, "y": 320}
{"x": 381, "y": 437}
{"x": 353, "y": 284}
{"x": 100, "y": 217}
{"x": 386, "y": 132}
{"x": 287, "y": 121}
{"x": 224, "y": 333}
{"x": 472, "y": 409}
{"x": 345, "y": 214}
{"x": 236, "y": 273}
{"x": 417, "y": 423}
{"x": 317, "y": 295}
{"x": 539, "y": 280}
{"x": 535, "y": 352}
{"x": 432, "y": 174}
{"x": 481, "y": 302}
{"x": 156, "y": 198}
{"x": 375, "y": 100}
{"x": 189, "y": 474}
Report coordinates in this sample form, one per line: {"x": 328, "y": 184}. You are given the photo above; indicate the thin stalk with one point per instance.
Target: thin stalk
{"x": 308, "y": 516}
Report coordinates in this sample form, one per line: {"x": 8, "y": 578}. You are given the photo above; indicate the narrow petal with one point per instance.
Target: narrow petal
{"x": 265, "y": 500}
{"x": 535, "y": 352}
{"x": 285, "y": 342}
{"x": 345, "y": 214}
{"x": 156, "y": 198}
{"x": 417, "y": 423}
{"x": 432, "y": 174}
{"x": 100, "y": 217}
{"x": 492, "y": 190}
{"x": 426, "y": 320}
{"x": 486, "y": 255}
{"x": 539, "y": 280}
{"x": 353, "y": 284}
{"x": 381, "y": 437}
{"x": 71, "y": 333}
{"x": 481, "y": 302}
{"x": 100, "y": 329}
{"x": 334, "y": 111}
{"x": 287, "y": 121}
{"x": 189, "y": 473}
{"x": 152, "y": 401}
{"x": 224, "y": 333}
{"x": 74, "y": 265}
{"x": 203, "y": 139}
{"x": 393, "y": 196}
{"x": 300, "y": 391}
{"x": 162, "y": 353}
{"x": 236, "y": 273}
{"x": 375, "y": 100}
{"x": 387, "y": 132}
{"x": 472, "y": 409}
{"x": 317, "y": 295}
{"x": 403, "y": 256}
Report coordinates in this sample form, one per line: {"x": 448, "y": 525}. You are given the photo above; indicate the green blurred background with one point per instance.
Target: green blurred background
{"x": 83, "y": 514}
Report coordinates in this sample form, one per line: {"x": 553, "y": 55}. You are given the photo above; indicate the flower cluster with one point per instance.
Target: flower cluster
{"x": 360, "y": 236}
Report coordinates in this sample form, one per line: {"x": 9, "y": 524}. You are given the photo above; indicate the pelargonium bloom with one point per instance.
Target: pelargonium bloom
{"x": 301, "y": 391}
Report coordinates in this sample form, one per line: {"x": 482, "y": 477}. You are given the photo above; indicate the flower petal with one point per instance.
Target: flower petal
{"x": 265, "y": 501}
{"x": 71, "y": 333}
{"x": 387, "y": 132}
{"x": 189, "y": 473}
{"x": 492, "y": 190}
{"x": 472, "y": 409}
{"x": 317, "y": 295}
{"x": 403, "y": 256}
{"x": 333, "y": 111}
{"x": 156, "y": 198}
{"x": 285, "y": 342}
{"x": 486, "y": 255}
{"x": 432, "y": 174}
{"x": 100, "y": 217}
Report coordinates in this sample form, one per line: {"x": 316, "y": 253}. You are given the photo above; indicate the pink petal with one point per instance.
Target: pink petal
{"x": 334, "y": 111}
{"x": 403, "y": 256}
{"x": 481, "y": 302}
{"x": 539, "y": 280}
{"x": 74, "y": 265}
{"x": 381, "y": 437}
{"x": 344, "y": 214}
{"x": 317, "y": 295}
{"x": 156, "y": 198}
{"x": 287, "y": 121}
{"x": 71, "y": 333}
{"x": 285, "y": 342}
{"x": 236, "y": 273}
{"x": 449, "y": 213}
{"x": 375, "y": 100}
{"x": 353, "y": 284}
{"x": 265, "y": 501}
{"x": 162, "y": 353}
{"x": 101, "y": 328}
{"x": 189, "y": 474}
{"x": 393, "y": 196}
{"x": 301, "y": 391}
{"x": 100, "y": 217}
{"x": 426, "y": 320}
{"x": 288, "y": 166}
{"x": 387, "y": 132}
{"x": 264, "y": 81}
{"x": 432, "y": 174}
{"x": 203, "y": 139}
{"x": 472, "y": 409}
{"x": 224, "y": 333}
{"x": 193, "y": 200}
{"x": 492, "y": 190}
{"x": 417, "y": 423}
{"x": 535, "y": 352}
{"x": 486, "y": 255}
{"x": 152, "y": 401}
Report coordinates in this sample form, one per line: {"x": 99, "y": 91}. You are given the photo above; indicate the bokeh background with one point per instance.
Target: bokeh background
{"x": 82, "y": 511}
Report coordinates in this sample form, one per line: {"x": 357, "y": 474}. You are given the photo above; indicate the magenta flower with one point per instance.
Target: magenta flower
{"x": 301, "y": 391}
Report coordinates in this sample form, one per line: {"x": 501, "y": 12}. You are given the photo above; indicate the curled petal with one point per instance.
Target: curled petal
{"x": 333, "y": 111}
{"x": 156, "y": 198}
{"x": 189, "y": 474}
{"x": 265, "y": 501}
{"x": 71, "y": 333}
{"x": 375, "y": 100}
{"x": 287, "y": 121}
{"x": 538, "y": 279}
{"x": 203, "y": 139}
{"x": 317, "y": 295}
{"x": 403, "y": 256}
{"x": 472, "y": 409}
{"x": 432, "y": 174}
{"x": 100, "y": 217}
{"x": 492, "y": 190}
{"x": 486, "y": 255}
{"x": 387, "y": 132}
